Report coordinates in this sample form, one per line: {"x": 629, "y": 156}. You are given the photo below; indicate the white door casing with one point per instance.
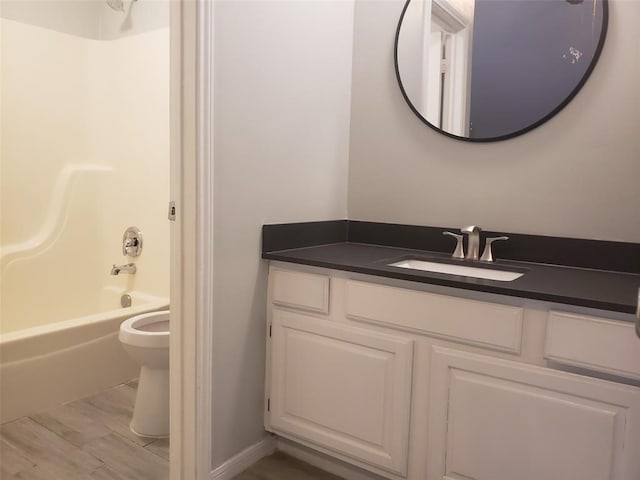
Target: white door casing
{"x": 191, "y": 184}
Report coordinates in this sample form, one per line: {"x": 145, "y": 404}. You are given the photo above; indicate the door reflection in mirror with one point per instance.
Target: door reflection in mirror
{"x": 484, "y": 70}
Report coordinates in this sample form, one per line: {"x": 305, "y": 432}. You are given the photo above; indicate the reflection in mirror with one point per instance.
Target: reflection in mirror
{"x": 484, "y": 70}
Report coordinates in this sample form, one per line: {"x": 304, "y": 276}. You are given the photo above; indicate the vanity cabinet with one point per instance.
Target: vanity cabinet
{"x": 342, "y": 388}
{"x": 429, "y": 386}
{"x": 501, "y": 420}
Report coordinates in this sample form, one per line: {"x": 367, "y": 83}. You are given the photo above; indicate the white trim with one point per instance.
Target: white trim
{"x": 191, "y": 239}
{"x": 204, "y": 240}
{"x": 243, "y": 460}
{"x": 175, "y": 180}
{"x": 447, "y": 13}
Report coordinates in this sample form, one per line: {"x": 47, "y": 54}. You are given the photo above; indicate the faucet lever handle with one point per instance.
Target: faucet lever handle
{"x": 459, "y": 251}
{"x": 487, "y": 255}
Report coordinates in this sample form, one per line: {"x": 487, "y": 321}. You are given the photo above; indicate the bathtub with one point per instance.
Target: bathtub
{"x": 45, "y": 366}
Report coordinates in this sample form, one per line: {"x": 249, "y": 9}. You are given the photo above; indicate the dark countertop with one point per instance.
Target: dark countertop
{"x": 600, "y": 289}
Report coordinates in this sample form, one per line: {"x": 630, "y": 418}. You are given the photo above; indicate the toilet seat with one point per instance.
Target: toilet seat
{"x": 146, "y": 330}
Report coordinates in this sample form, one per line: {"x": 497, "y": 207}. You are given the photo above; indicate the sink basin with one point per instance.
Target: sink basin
{"x": 463, "y": 270}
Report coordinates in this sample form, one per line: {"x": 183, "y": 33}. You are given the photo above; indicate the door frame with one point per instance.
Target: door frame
{"x": 191, "y": 185}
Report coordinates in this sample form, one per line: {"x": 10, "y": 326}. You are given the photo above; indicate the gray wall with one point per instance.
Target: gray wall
{"x": 284, "y": 140}
{"x": 575, "y": 176}
{"x": 281, "y": 135}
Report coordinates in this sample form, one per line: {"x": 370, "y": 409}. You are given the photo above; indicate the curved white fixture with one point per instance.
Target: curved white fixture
{"x": 54, "y": 218}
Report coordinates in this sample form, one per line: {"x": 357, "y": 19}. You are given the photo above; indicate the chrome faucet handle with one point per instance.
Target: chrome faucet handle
{"x": 459, "y": 251}
{"x": 487, "y": 255}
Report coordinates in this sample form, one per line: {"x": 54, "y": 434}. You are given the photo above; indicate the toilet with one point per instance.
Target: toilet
{"x": 146, "y": 339}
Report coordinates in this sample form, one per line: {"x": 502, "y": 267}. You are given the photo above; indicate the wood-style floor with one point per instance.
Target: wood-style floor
{"x": 88, "y": 439}
{"x": 280, "y": 466}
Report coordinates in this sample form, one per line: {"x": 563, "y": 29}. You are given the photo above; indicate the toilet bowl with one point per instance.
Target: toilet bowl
{"x": 146, "y": 339}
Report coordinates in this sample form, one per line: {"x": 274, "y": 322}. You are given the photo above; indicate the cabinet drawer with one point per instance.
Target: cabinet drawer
{"x": 594, "y": 343}
{"x": 301, "y": 290}
{"x": 494, "y": 326}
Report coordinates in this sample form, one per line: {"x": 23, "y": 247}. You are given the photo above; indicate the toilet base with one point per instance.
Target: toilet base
{"x": 151, "y": 410}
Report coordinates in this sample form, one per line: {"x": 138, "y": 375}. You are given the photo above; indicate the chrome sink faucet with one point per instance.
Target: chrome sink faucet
{"x": 473, "y": 243}
{"x": 128, "y": 268}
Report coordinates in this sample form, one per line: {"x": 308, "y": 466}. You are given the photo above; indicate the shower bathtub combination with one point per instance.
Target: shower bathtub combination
{"x": 85, "y": 154}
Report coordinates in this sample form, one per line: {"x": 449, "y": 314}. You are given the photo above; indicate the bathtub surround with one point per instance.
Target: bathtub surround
{"x": 89, "y": 19}
{"x": 103, "y": 111}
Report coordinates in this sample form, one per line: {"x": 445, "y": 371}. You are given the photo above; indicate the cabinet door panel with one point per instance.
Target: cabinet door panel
{"x": 342, "y": 388}
{"x": 494, "y": 419}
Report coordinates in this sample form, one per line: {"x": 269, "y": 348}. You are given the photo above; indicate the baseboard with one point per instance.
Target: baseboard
{"x": 325, "y": 462}
{"x": 243, "y": 460}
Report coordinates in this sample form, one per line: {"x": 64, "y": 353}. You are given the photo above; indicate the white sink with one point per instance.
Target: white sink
{"x": 463, "y": 270}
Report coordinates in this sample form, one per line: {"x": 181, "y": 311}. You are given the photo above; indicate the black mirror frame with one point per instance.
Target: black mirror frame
{"x": 564, "y": 103}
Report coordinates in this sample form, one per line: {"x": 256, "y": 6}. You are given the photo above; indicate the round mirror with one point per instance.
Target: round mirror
{"x": 487, "y": 70}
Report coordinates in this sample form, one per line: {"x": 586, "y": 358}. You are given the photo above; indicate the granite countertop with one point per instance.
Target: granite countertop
{"x": 586, "y": 287}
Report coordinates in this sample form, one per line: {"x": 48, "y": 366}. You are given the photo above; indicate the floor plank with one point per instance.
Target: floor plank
{"x": 72, "y": 424}
{"x": 280, "y": 466}
{"x": 130, "y": 461}
{"x": 12, "y": 460}
{"x": 113, "y": 408}
{"x": 159, "y": 447}
{"x": 49, "y": 452}
{"x": 103, "y": 473}
{"x": 88, "y": 439}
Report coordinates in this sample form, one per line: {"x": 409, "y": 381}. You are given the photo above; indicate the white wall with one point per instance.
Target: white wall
{"x": 92, "y": 19}
{"x": 575, "y": 176}
{"x": 281, "y": 129}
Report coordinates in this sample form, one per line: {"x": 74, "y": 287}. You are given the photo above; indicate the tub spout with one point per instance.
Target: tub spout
{"x": 128, "y": 268}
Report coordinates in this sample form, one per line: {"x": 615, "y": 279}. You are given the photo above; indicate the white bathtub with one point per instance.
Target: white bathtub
{"x": 45, "y": 366}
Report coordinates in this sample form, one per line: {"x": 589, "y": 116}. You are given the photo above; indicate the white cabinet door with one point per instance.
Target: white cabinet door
{"x": 492, "y": 419}
{"x": 341, "y": 388}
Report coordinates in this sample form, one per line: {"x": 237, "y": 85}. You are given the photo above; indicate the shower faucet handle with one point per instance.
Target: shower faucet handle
{"x": 132, "y": 242}
{"x": 459, "y": 251}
